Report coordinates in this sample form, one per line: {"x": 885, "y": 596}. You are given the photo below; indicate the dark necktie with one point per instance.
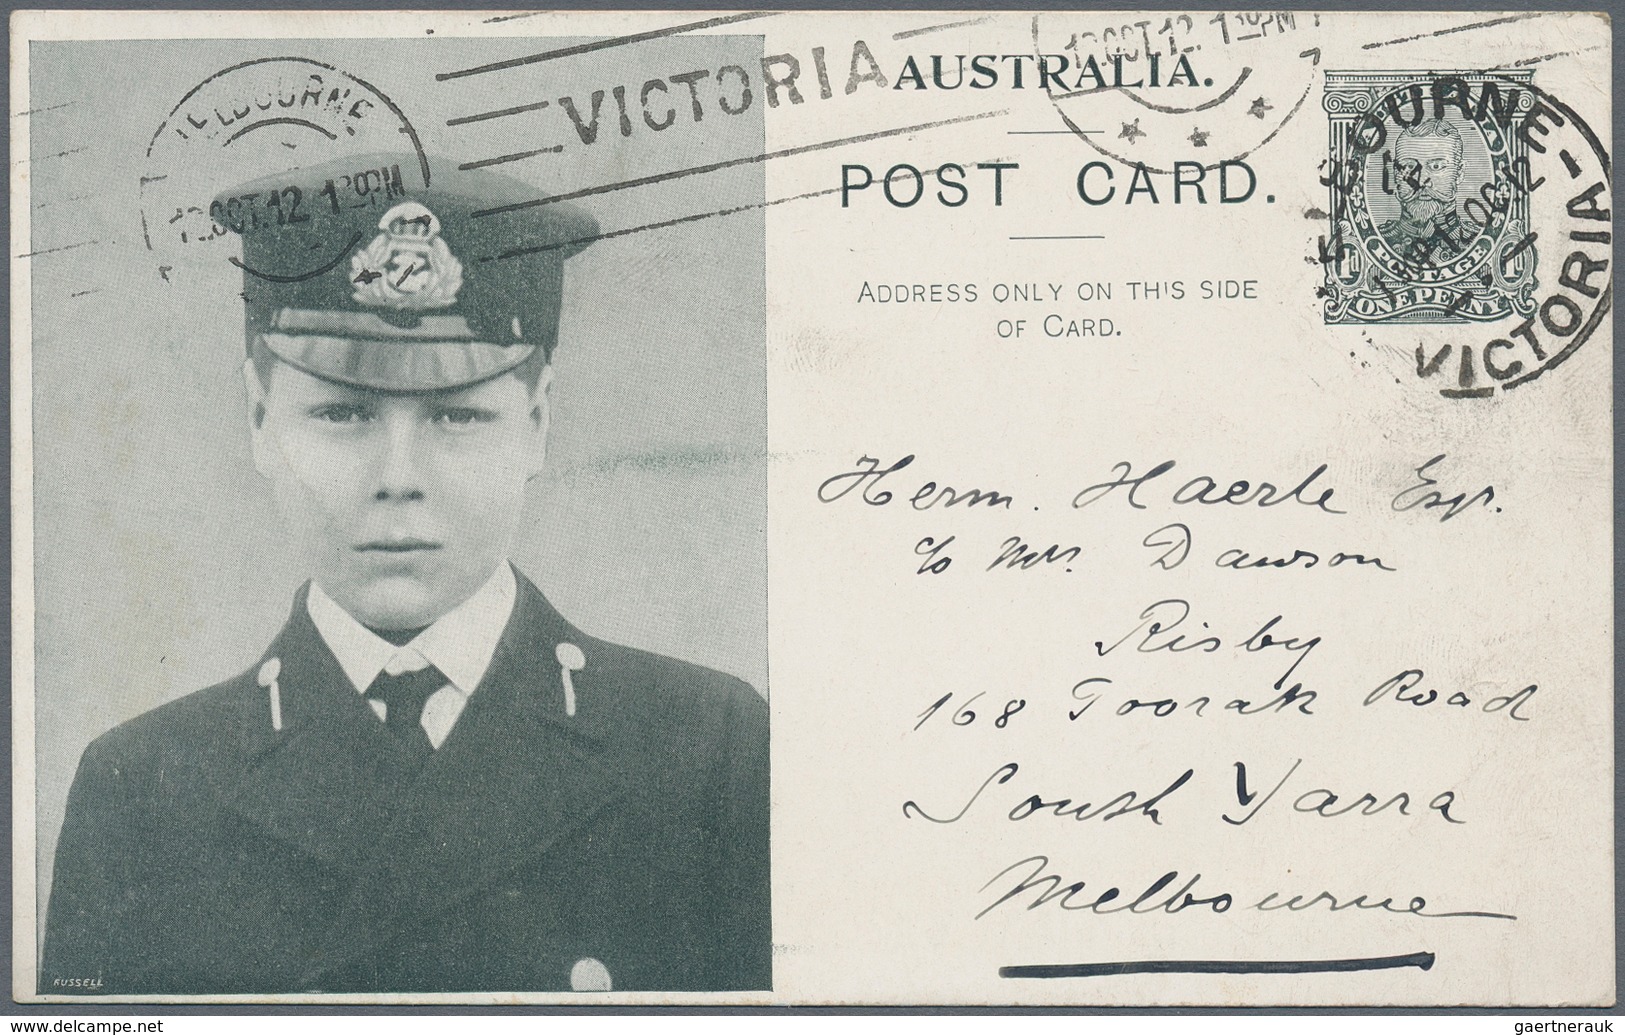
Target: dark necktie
{"x": 404, "y": 696}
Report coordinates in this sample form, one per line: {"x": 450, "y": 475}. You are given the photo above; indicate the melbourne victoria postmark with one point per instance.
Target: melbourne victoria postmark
{"x": 257, "y": 116}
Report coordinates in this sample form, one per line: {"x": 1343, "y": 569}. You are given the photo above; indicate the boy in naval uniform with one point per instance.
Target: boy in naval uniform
{"x": 430, "y": 781}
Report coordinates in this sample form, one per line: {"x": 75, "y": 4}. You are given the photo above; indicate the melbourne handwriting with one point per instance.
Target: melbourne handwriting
{"x": 1034, "y": 887}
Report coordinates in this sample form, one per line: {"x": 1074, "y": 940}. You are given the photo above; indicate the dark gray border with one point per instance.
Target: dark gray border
{"x": 74, "y": 1009}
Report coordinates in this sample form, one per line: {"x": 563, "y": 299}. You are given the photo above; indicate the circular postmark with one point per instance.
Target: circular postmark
{"x": 248, "y": 123}
{"x": 1237, "y": 80}
{"x": 1473, "y": 201}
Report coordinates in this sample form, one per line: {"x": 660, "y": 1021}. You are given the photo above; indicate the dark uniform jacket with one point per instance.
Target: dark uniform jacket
{"x": 205, "y": 852}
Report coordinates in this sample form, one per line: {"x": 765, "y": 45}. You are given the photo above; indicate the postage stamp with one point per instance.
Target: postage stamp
{"x": 1428, "y": 203}
{"x": 1432, "y": 178}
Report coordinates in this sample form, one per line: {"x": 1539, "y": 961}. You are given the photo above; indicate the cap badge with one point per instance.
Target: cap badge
{"x": 407, "y": 266}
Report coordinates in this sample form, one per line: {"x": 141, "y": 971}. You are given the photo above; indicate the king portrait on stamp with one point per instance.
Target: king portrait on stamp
{"x": 430, "y": 781}
{"x": 1427, "y": 178}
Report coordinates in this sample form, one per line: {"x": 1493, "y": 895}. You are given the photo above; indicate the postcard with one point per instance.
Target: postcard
{"x": 793, "y": 507}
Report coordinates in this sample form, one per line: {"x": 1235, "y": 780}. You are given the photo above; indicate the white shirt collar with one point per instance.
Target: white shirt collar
{"x": 460, "y": 643}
